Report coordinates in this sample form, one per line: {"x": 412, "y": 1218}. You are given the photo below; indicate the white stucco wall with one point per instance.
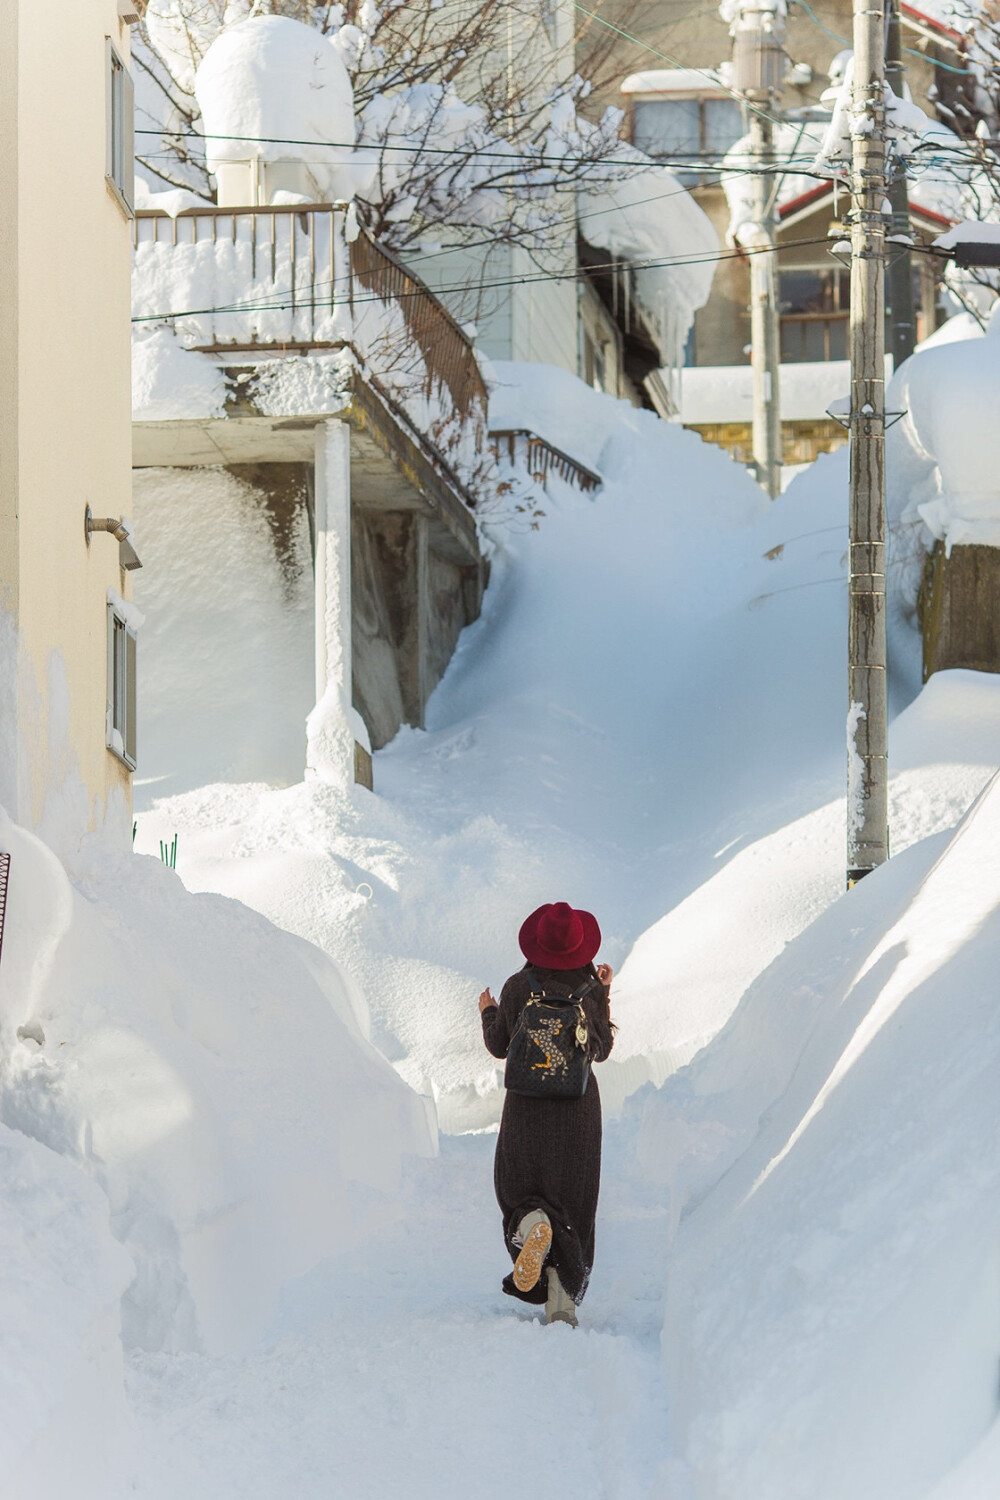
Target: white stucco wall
{"x": 516, "y": 315}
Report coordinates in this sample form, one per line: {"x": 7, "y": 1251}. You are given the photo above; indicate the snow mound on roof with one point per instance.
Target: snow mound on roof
{"x": 183, "y": 30}
{"x": 212, "y": 1074}
{"x": 948, "y": 442}
{"x": 833, "y": 1161}
{"x": 281, "y": 91}
{"x": 648, "y": 215}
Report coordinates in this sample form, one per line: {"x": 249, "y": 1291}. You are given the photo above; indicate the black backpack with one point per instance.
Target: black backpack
{"x": 549, "y": 1053}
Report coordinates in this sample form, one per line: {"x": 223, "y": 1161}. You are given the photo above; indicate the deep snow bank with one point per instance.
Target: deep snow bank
{"x": 833, "y": 1315}
{"x": 63, "y": 1423}
{"x": 210, "y": 1073}
{"x": 685, "y": 975}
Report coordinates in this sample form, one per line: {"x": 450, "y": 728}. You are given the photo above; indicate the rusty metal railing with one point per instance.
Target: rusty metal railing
{"x": 541, "y": 458}
{"x": 446, "y": 348}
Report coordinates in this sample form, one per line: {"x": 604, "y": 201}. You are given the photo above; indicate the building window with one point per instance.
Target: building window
{"x": 120, "y": 164}
{"x": 121, "y": 738}
{"x": 814, "y": 314}
{"x": 689, "y": 129}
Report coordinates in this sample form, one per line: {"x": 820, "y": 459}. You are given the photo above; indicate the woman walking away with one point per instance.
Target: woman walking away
{"x": 552, "y": 1022}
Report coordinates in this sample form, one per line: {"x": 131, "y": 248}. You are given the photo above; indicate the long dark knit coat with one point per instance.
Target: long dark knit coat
{"x": 548, "y": 1152}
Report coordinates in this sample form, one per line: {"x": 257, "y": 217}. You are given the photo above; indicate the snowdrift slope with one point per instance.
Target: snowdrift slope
{"x": 833, "y": 1313}
{"x": 210, "y": 1073}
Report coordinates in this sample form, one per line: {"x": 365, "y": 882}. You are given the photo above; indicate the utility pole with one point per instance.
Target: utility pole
{"x": 902, "y": 330}
{"x": 758, "y": 67}
{"x": 867, "y": 775}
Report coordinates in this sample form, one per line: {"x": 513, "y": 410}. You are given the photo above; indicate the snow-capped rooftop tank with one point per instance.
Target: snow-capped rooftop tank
{"x": 278, "y": 110}
{"x": 951, "y": 395}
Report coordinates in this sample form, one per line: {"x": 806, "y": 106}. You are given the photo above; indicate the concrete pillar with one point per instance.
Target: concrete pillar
{"x": 335, "y": 732}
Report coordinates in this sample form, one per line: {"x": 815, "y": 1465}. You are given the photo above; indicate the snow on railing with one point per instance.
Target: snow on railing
{"x": 283, "y": 279}
{"x": 275, "y": 275}
{"x": 243, "y": 278}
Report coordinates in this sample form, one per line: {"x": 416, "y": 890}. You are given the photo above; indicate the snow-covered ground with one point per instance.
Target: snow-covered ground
{"x": 796, "y": 1291}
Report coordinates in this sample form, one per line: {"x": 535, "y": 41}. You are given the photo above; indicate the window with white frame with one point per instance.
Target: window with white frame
{"x": 120, "y": 165}
{"x": 121, "y": 739}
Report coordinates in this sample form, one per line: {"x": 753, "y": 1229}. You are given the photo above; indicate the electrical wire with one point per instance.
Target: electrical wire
{"x": 695, "y": 161}
{"x": 705, "y": 162}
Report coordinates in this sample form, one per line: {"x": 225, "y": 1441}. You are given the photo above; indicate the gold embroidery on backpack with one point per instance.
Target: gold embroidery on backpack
{"x": 544, "y": 1037}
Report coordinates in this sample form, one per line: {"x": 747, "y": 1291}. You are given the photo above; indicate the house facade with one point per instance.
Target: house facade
{"x": 310, "y": 443}
{"x": 67, "y": 725}
{"x": 688, "y": 114}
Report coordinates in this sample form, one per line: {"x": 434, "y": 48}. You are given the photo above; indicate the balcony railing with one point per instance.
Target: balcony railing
{"x": 282, "y": 278}
{"x": 542, "y": 458}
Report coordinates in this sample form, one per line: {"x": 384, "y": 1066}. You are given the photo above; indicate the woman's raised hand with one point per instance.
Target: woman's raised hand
{"x": 605, "y": 974}
{"x": 485, "y": 1001}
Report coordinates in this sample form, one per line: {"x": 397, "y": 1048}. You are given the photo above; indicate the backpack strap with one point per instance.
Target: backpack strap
{"x": 538, "y": 991}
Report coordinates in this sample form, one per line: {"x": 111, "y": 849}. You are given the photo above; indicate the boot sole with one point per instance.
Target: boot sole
{"x": 528, "y": 1266}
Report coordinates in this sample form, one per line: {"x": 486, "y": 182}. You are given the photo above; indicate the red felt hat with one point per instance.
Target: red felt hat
{"x": 557, "y": 937}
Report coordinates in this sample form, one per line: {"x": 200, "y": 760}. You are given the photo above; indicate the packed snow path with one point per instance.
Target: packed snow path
{"x": 401, "y": 1369}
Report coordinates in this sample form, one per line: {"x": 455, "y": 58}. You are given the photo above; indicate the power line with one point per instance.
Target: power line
{"x": 693, "y": 161}
{"x": 278, "y": 301}
{"x": 701, "y": 161}
{"x": 525, "y": 157}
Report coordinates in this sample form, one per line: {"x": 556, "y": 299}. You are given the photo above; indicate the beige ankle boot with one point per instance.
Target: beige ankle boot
{"x": 559, "y": 1306}
{"x": 534, "y": 1233}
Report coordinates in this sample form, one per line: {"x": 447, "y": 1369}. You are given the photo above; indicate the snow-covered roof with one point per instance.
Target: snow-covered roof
{"x": 648, "y": 216}
{"x": 675, "y": 81}
{"x": 951, "y": 17}
{"x": 724, "y": 393}
{"x": 816, "y": 197}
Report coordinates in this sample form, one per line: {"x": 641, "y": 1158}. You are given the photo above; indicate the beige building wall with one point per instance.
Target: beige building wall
{"x": 64, "y": 406}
